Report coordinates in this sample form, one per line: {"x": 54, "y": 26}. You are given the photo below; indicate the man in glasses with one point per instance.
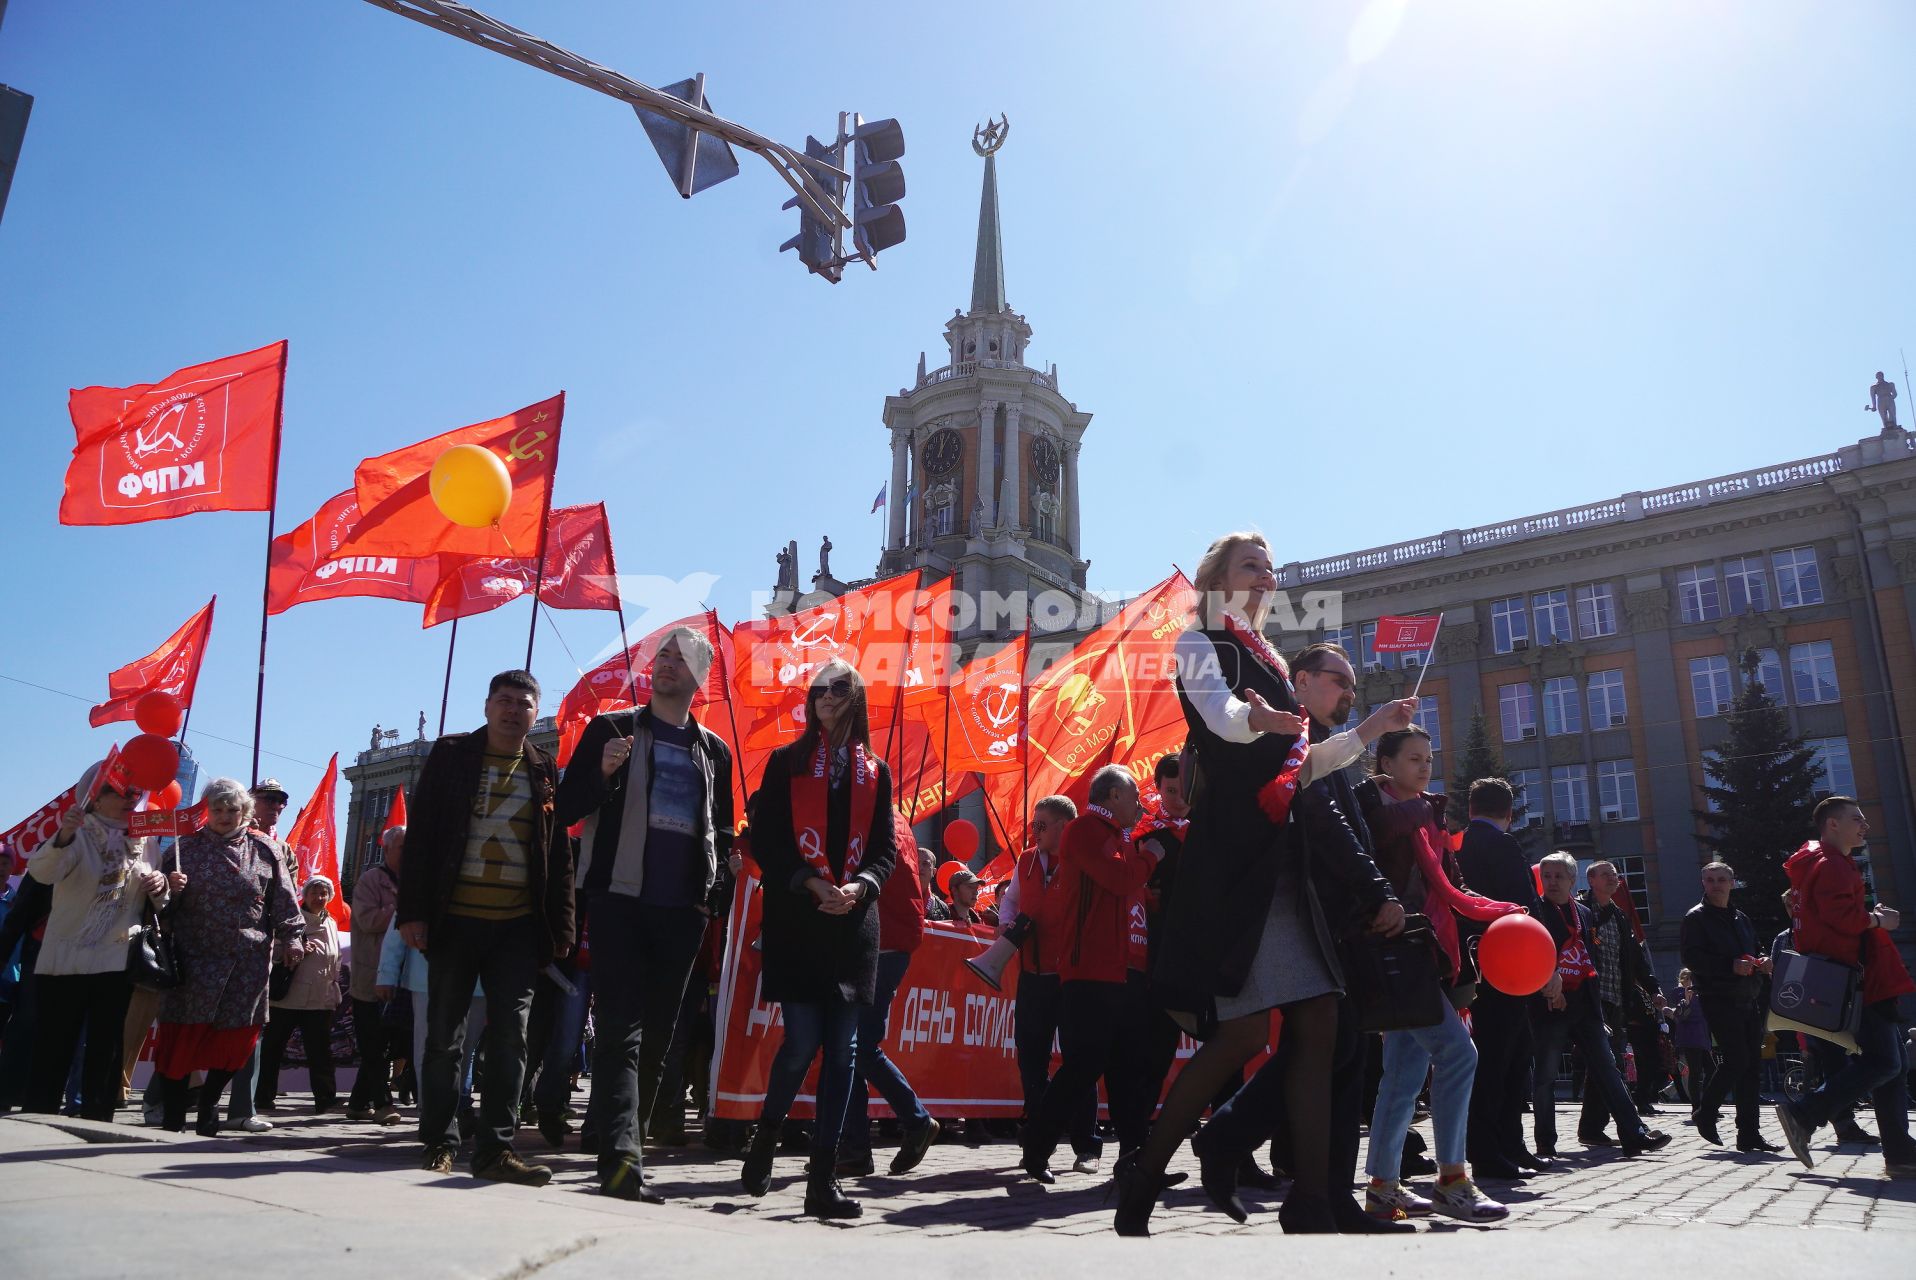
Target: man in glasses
{"x": 1034, "y": 895}
{"x": 654, "y": 787}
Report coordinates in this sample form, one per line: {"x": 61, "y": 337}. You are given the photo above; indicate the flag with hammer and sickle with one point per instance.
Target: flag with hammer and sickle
{"x": 397, "y": 516}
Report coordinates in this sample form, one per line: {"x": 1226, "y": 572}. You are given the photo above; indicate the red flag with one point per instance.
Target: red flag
{"x": 986, "y": 728}
{"x": 396, "y": 816}
{"x": 173, "y": 667}
{"x": 1406, "y": 635}
{"x": 305, "y": 564}
{"x": 579, "y": 573}
{"x": 1106, "y": 702}
{"x": 396, "y": 511}
{"x": 869, "y": 628}
{"x": 38, "y": 827}
{"x": 314, "y": 841}
{"x": 605, "y": 688}
{"x": 205, "y": 438}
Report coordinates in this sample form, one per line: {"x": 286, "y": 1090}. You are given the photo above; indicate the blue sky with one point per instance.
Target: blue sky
{"x": 1426, "y": 265}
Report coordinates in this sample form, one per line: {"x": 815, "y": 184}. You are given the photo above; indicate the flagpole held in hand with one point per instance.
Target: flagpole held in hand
{"x": 1428, "y": 655}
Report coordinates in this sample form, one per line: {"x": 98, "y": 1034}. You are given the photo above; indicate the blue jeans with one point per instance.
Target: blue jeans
{"x": 831, "y": 1026}
{"x": 562, "y": 1050}
{"x": 1875, "y": 1074}
{"x": 1582, "y": 1024}
{"x": 875, "y": 1068}
{"x": 1407, "y": 1056}
{"x": 240, "y": 1104}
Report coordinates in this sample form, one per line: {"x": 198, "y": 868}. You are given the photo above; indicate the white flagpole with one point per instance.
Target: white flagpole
{"x": 1428, "y": 655}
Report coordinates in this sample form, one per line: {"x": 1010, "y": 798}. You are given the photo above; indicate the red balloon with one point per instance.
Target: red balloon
{"x": 1517, "y": 955}
{"x": 944, "y": 874}
{"x": 961, "y": 840}
{"x": 150, "y": 761}
{"x": 159, "y": 713}
{"x": 167, "y": 797}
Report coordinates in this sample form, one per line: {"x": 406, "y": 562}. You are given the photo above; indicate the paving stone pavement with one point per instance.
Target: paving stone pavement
{"x": 962, "y": 1189}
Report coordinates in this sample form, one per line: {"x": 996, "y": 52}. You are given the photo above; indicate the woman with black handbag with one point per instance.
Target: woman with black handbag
{"x": 101, "y": 885}
{"x": 1406, "y": 825}
{"x": 233, "y": 909}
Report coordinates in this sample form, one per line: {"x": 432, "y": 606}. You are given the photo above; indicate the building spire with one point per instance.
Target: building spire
{"x": 988, "y": 272}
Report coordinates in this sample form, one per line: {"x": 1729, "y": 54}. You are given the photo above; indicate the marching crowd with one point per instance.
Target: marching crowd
{"x": 1316, "y": 934}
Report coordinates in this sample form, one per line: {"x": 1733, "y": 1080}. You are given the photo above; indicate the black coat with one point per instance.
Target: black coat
{"x": 1228, "y": 868}
{"x": 439, "y": 815}
{"x": 810, "y": 956}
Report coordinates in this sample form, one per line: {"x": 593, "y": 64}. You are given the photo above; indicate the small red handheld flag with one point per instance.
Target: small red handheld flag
{"x": 1406, "y": 635}
{"x": 173, "y": 667}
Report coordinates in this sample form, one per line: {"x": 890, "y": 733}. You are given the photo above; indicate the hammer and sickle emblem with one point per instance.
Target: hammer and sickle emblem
{"x": 521, "y": 448}
{"x": 809, "y": 844}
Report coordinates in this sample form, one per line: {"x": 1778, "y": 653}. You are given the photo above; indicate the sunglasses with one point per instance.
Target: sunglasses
{"x": 839, "y": 688}
{"x": 1342, "y": 681}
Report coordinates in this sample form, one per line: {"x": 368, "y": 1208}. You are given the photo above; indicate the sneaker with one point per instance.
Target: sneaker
{"x": 914, "y": 1145}
{"x": 359, "y": 1111}
{"x": 854, "y": 1164}
{"x": 1388, "y": 1201}
{"x": 1461, "y": 1199}
{"x": 1795, "y": 1134}
{"x": 439, "y": 1157}
{"x": 391, "y": 1116}
{"x": 252, "y": 1124}
{"x": 1085, "y": 1164}
{"x": 1648, "y": 1140}
{"x": 507, "y": 1165}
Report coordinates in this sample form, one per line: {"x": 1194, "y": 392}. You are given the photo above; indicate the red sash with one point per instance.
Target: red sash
{"x": 811, "y": 791}
{"x": 1275, "y": 796}
{"x": 1574, "y": 964}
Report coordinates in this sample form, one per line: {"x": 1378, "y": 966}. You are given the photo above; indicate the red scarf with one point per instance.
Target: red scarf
{"x": 811, "y": 792}
{"x": 1573, "y": 958}
{"x": 1444, "y": 901}
{"x": 1254, "y": 640}
{"x": 1275, "y": 796}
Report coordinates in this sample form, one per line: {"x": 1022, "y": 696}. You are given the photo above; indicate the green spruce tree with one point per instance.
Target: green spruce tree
{"x": 1762, "y": 786}
{"x": 1479, "y": 759}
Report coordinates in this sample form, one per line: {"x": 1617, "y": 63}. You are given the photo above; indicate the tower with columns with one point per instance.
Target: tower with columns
{"x": 984, "y": 473}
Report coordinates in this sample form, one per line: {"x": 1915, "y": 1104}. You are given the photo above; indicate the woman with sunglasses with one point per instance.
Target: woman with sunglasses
{"x": 1244, "y": 932}
{"x": 101, "y": 883}
{"x": 822, "y": 833}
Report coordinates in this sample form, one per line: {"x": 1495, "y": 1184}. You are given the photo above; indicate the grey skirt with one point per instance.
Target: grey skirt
{"x": 1289, "y": 965}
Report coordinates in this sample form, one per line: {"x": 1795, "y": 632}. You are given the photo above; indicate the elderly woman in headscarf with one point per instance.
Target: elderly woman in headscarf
{"x": 234, "y": 908}
{"x": 307, "y": 1007}
{"x": 101, "y": 883}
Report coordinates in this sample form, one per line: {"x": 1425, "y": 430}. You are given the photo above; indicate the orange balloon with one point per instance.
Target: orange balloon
{"x": 1517, "y": 955}
{"x": 167, "y": 797}
{"x": 961, "y": 839}
{"x": 943, "y": 877}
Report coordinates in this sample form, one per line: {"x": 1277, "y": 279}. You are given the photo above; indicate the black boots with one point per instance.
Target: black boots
{"x": 210, "y": 1095}
{"x": 1138, "y": 1192}
{"x": 173, "y": 1104}
{"x": 757, "y": 1174}
{"x": 823, "y": 1199}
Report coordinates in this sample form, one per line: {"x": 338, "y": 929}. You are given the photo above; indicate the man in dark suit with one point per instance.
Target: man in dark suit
{"x": 1494, "y": 865}
{"x": 485, "y": 893}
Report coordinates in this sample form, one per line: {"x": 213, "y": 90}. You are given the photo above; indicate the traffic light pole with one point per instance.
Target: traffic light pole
{"x": 489, "y": 33}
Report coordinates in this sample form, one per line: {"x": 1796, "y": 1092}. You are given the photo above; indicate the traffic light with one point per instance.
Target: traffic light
{"x": 817, "y": 240}
{"x": 878, "y": 184}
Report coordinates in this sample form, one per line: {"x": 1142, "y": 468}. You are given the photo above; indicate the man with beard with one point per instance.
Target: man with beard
{"x": 1326, "y": 687}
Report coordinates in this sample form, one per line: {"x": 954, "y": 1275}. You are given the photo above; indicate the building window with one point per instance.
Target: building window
{"x": 1570, "y": 792}
{"x": 1797, "y": 581}
{"x": 1509, "y": 625}
{"x": 1697, "y": 597}
{"x": 1426, "y": 719}
{"x": 1832, "y": 757}
{"x": 1596, "y": 610}
{"x": 1636, "y": 879}
{"x": 1749, "y": 586}
{"x": 1344, "y": 638}
{"x": 1710, "y": 684}
{"x": 1608, "y": 709}
{"x": 1518, "y": 712}
{"x": 1617, "y": 790}
{"x": 1813, "y": 672}
{"x": 1526, "y": 785}
{"x": 1562, "y": 708}
{"x": 1367, "y": 641}
{"x": 1769, "y": 674}
{"x": 1552, "y": 612}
